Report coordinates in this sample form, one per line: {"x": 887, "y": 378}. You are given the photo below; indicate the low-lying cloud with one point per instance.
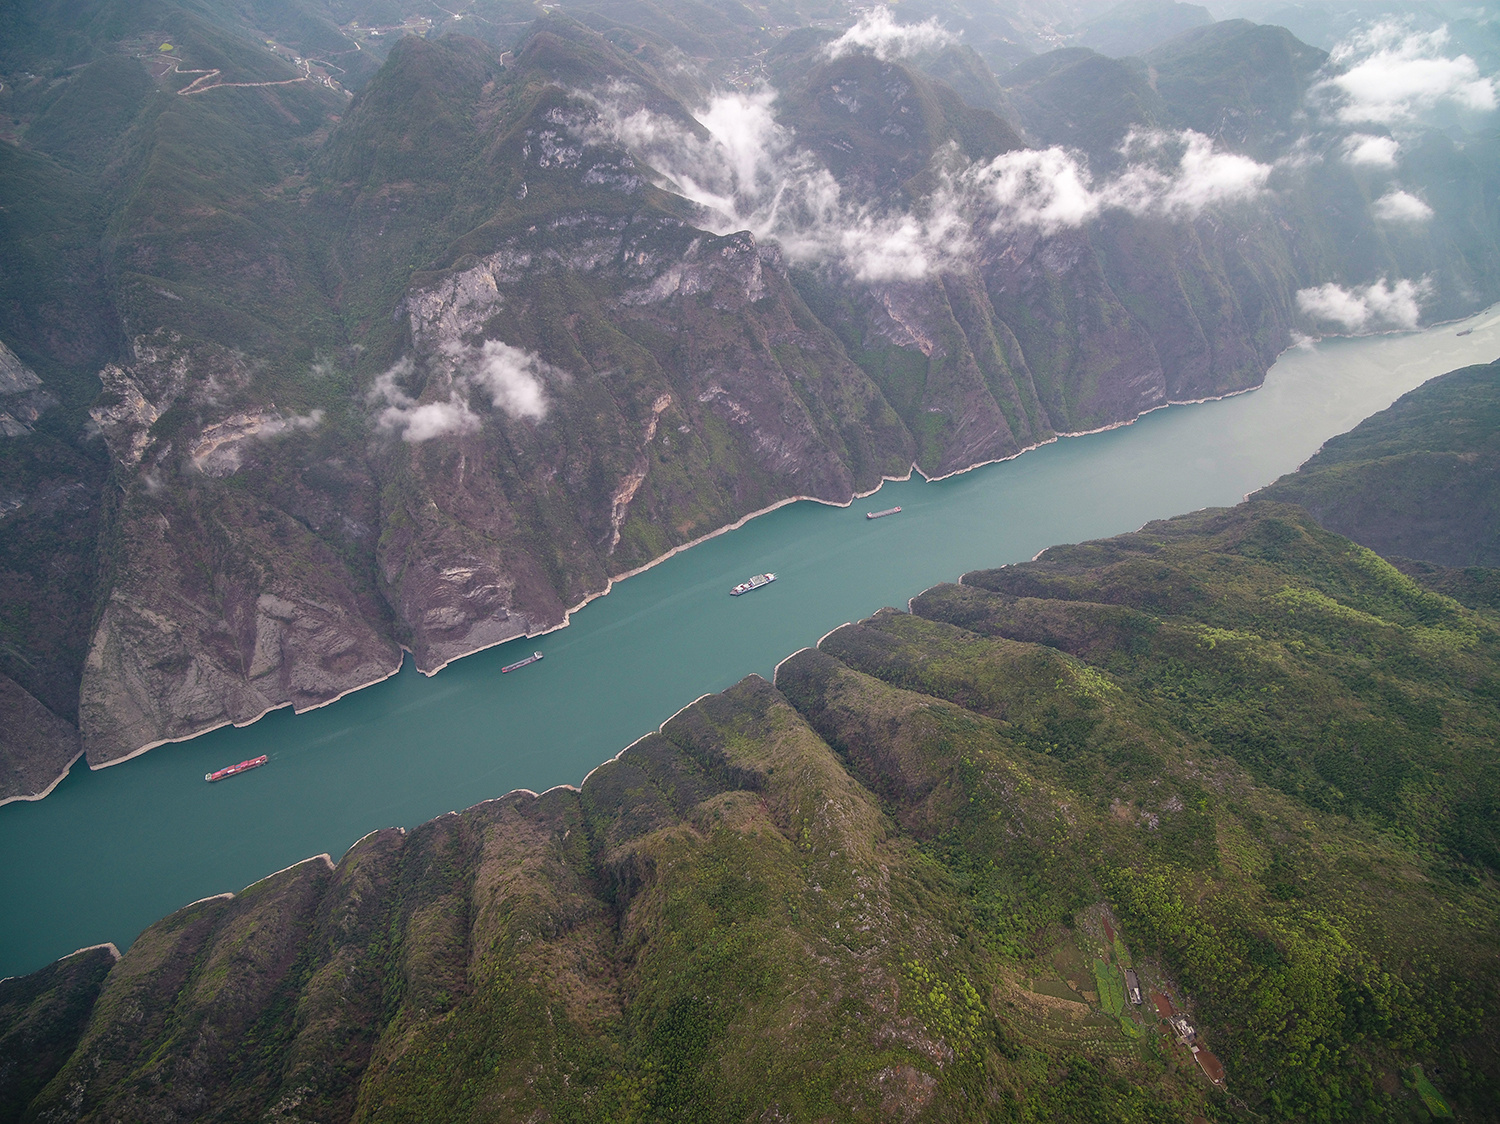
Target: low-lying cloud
{"x": 296, "y": 423}
{"x": 1365, "y": 150}
{"x": 750, "y": 174}
{"x": 1177, "y": 175}
{"x": 877, "y": 33}
{"x": 510, "y": 377}
{"x": 1400, "y": 206}
{"x": 1392, "y": 74}
{"x": 219, "y": 449}
{"x": 1366, "y": 308}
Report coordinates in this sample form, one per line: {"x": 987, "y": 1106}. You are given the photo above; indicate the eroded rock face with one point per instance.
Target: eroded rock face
{"x": 780, "y": 879}
{"x": 222, "y": 615}
{"x": 672, "y": 330}
{"x": 591, "y": 377}
{"x": 23, "y": 398}
{"x": 136, "y": 393}
{"x": 220, "y": 450}
{"x": 36, "y": 746}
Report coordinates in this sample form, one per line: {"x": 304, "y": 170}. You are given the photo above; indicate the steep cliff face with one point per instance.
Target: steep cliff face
{"x": 44, "y": 1015}
{"x": 902, "y": 882}
{"x": 228, "y": 607}
{"x": 36, "y": 746}
{"x": 688, "y": 386}
{"x": 427, "y": 367}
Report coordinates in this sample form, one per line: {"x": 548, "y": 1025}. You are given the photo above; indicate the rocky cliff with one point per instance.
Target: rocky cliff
{"x": 424, "y": 366}
{"x": 903, "y": 882}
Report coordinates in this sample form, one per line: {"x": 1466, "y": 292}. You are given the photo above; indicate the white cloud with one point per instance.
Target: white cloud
{"x": 510, "y": 377}
{"x": 432, "y": 419}
{"x": 750, "y": 174}
{"x": 878, "y": 33}
{"x": 1173, "y": 174}
{"x": 1365, "y": 150}
{"x": 1047, "y": 189}
{"x": 1400, "y": 206}
{"x": 1200, "y": 177}
{"x": 418, "y": 421}
{"x": 1393, "y": 73}
{"x": 219, "y": 449}
{"x": 276, "y": 424}
{"x": 1380, "y": 305}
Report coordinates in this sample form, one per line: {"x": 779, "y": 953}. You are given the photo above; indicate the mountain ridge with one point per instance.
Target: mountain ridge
{"x": 448, "y": 353}
{"x": 909, "y": 845}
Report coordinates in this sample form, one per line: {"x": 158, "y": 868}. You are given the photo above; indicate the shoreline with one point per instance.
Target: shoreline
{"x": 576, "y": 787}
{"x": 228, "y": 722}
{"x": 1297, "y": 344}
{"x": 610, "y": 583}
{"x": 46, "y": 792}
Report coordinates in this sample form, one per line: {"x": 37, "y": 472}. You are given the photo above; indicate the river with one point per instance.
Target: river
{"x": 109, "y": 852}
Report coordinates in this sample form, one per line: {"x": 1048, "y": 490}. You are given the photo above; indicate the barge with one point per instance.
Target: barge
{"x": 232, "y": 770}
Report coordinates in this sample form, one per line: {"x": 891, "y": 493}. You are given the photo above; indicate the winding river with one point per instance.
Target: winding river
{"x": 109, "y": 852}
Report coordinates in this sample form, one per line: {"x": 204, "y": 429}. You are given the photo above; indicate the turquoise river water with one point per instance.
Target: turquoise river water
{"x": 109, "y": 852}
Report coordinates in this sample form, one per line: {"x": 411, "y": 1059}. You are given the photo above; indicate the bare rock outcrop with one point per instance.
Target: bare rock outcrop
{"x": 36, "y": 746}
{"x": 23, "y": 398}
{"x": 225, "y": 611}
{"x": 498, "y": 518}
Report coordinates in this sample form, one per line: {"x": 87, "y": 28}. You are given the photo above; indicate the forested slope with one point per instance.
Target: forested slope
{"x": 1233, "y": 752}
{"x": 1418, "y": 481}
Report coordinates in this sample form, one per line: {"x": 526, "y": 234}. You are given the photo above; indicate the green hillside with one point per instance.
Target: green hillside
{"x": 1418, "y": 481}
{"x": 1233, "y": 752}
{"x": 331, "y": 329}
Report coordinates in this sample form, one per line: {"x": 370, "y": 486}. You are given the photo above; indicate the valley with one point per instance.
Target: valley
{"x": 355, "y": 356}
{"x": 876, "y": 878}
{"x": 421, "y": 370}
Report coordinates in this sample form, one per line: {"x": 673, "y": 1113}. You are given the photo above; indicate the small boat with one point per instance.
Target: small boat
{"x": 242, "y": 767}
{"x": 1467, "y": 332}
{"x": 881, "y": 514}
{"x": 521, "y": 663}
{"x": 754, "y": 583}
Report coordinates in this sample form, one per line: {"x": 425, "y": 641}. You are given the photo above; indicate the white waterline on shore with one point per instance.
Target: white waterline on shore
{"x": 360, "y": 840}
{"x": 90, "y": 948}
{"x": 231, "y": 722}
{"x": 744, "y": 519}
{"x": 775, "y": 671}
{"x": 632, "y": 745}
{"x": 225, "y": 896}
{"x": 609, "y": 584}
{"x": 115, "y": 952}
{"x": 46, "y": 792}
{"x": 327, "y": 860}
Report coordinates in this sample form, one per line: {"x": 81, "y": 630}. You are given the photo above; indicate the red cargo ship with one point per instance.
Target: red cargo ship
{"x": 242, "y": 767}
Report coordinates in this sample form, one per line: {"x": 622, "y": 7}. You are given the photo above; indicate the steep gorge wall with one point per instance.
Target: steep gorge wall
{"x": 846, "y": 894}
{"x": 310, "y": 475}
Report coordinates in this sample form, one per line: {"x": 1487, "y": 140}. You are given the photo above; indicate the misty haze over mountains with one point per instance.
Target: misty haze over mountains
{"x": 334, "y": 332}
